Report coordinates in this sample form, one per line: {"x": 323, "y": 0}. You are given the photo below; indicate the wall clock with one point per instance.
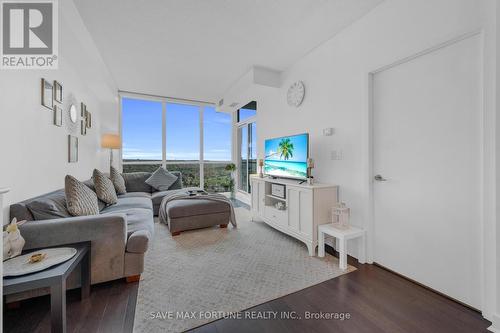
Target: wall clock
{"x": 295, "y": 94}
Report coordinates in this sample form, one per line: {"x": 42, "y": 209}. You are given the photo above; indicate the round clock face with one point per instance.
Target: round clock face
{"x": 295, "y": 94}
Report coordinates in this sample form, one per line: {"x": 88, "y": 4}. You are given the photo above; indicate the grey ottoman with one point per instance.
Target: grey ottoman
{"x": 185, "y": 214}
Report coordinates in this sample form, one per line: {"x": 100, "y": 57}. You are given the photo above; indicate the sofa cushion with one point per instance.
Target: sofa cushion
{"x": 136, "y": 182}
{"x": 161, "y": 179}
{"x": 118, "y": 181}
{"x": 80, "y": 200}
{"x": 51, "y": 206}
{"x": 188, "y": 207}
{"x": 104, "y": 188}
{"x": 137, "y": 219}
{"x": 135, "y": 194}
{"x": 129, "y": 203}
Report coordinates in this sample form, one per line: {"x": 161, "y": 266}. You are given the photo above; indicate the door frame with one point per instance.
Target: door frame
{"x": 487, "y": 140}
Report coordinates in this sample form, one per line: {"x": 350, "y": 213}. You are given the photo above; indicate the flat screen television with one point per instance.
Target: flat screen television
{"x": 286, "y": 157}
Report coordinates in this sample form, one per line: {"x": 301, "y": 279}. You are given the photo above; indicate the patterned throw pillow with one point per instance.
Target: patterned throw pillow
{"x": 104, "y": 188}
{"x": 161, "y": 179}
{"x": 118, "y": 181}
{"x": 80, "y": 199}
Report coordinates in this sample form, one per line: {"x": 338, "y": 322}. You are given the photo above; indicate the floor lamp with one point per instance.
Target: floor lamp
{"x": 111, "y": 141}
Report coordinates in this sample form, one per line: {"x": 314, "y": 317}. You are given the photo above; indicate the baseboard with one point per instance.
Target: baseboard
{"x": 495, "y": 326}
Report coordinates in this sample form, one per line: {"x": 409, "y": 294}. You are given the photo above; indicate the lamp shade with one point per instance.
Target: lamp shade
{"x": 111, "y": 141}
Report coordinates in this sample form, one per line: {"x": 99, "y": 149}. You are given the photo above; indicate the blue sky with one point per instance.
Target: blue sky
{"x": 142, "y": 131}
{"x": 299, "y": 145}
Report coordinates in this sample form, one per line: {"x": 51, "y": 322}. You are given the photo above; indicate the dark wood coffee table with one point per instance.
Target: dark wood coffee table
{"x": 55, "y": 278}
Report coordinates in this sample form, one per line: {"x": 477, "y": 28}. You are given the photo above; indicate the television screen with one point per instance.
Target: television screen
{"x": 286, "y": 157}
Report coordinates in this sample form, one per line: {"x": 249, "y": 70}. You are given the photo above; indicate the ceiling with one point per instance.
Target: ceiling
{"x": 196, "y": 49}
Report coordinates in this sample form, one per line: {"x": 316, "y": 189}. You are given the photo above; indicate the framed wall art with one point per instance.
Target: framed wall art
{"x": 58, "y": 92}
{"x": 47, "y": 94}
{"x": 58, "y": 115}
{"x": 83, "y": 127}
{"x": 88, "y": 119}
{"x": 72, "y": 149}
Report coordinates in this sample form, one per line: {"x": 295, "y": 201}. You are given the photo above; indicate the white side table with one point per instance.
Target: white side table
{"x": 341, "y": 238}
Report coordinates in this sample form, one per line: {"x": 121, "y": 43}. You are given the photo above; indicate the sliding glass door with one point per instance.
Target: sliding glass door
{"x": 244, "y": 149}
{"x": 247, "y": 137}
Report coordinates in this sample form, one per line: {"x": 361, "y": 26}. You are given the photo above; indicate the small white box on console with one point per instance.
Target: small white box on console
{"x": 278, "y": 190}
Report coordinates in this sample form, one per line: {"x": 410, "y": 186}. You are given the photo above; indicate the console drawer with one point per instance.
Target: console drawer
{"x": 276, "y": 216}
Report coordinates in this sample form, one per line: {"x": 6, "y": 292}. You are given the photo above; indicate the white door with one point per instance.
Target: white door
{"x": 426, "y": 126}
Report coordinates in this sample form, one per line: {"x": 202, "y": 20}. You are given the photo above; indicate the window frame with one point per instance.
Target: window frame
{"x": 164, "y": 163}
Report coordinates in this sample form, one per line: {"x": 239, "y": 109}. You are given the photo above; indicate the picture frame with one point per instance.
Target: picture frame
{"x": 72, "y": 149}
{"x": 88, "y": 119}
{"x": 83, "y": 127}
{"x": 83, "y": 109}
{"x": 47, "y": 93}
{"x": 58, "y": 115}
{"x": 58, "y": 92}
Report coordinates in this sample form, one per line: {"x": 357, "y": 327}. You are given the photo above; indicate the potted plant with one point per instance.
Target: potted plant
{"x": 232, "y": 168}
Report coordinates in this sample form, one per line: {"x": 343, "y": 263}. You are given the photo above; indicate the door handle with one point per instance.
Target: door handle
{"x": 379, "y": 178}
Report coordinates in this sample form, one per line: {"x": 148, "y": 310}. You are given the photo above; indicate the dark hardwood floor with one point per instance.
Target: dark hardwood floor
{"x": 375, "y": 299}
{"x": 110, "y": 308}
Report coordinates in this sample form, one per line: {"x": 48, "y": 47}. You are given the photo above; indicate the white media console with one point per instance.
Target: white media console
{"x": 305, "y": 207}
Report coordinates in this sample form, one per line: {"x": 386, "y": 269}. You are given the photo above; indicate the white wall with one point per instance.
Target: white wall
{"x": 336, "y": 79}
{"x": 496, "y": 240}
{"x": 34, "y": 152}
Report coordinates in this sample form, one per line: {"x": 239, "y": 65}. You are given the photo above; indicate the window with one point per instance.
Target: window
{"x": 166, "y": 133}
{"x": 183, "y": 132}
{"x": 217, "y": 150}
{"x": 139, "y": 167}
{"x": 190, "y": 173}
{"x": 217, "y": 133}
{"x": 141, "y": 130}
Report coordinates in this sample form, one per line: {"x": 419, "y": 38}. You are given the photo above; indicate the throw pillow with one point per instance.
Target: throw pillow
{"x": 118, "y": 181}
{"x": 80, "y": 199}
{"x": 161, "y": 179}
{"x": 104, "y": 188}
{"x": 90, "y": 184}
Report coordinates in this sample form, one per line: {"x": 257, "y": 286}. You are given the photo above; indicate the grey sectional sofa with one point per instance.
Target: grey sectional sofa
{"x": 119, "y": 235}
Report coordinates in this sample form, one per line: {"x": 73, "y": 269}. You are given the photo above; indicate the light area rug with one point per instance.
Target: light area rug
{"x": 222, "y": 270}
